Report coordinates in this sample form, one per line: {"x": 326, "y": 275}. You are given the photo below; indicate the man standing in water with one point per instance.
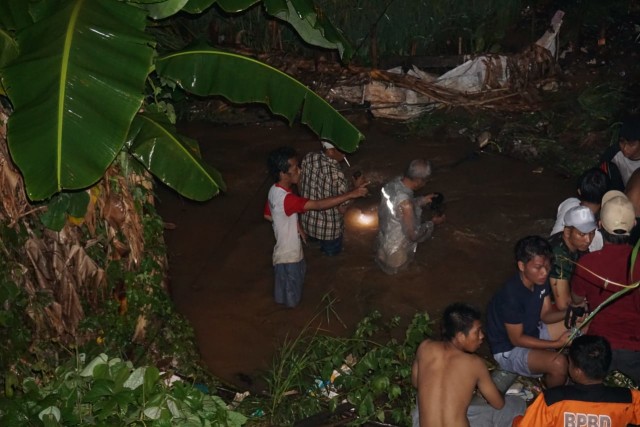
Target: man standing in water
{"x": 282, "y": 208}
{"x": 447, "y": 373}
{"x": 399, "y": 214}
{"x": 322, "y": 178}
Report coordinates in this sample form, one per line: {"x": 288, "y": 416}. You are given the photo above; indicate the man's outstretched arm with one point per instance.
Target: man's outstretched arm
{"x": 487, "y": 387}
{"x": 413, "y": 230}
{"x": 330, "y": 202}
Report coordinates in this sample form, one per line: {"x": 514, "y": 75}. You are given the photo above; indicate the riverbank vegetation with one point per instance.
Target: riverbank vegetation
{"x": 90, "y": 333}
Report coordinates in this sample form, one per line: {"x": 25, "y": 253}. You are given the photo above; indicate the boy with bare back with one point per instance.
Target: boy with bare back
{"x": 446, "y": 374}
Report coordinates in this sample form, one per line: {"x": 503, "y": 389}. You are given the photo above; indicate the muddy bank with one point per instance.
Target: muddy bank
{"x": 220, "y": 251}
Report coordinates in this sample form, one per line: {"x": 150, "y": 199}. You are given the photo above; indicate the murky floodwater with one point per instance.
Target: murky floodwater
{"x": 220, "y": 251}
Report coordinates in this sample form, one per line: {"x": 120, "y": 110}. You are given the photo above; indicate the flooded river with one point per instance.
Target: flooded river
{"x": 220, "y": 251}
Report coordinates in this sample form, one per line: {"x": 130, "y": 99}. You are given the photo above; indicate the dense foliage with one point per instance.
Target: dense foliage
{"x": 87, "y": 115}
{"x": 108, "y": 391}
{"x": 364, "y": 377}
{"x": 103, "y": 289}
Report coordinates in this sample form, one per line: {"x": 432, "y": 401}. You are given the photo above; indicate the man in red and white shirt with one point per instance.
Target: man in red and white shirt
{"x": 282, "y": 208}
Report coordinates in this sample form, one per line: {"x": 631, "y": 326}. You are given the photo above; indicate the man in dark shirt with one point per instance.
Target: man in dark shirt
{"x": 519, "y": 341}
{"x": 573, "y": 241}
{"x": 322, "y": 177}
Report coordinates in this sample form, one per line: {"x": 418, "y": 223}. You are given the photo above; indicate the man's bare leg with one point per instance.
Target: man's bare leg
{"x": 552, "y": 364}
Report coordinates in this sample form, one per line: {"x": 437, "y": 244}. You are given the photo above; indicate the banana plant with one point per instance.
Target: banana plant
{"x": 77, "y": 74}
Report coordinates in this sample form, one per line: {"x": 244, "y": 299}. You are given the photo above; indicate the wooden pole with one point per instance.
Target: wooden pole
{"x": 374, "y": 46}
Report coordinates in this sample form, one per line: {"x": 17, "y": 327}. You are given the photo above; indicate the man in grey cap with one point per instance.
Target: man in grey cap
{"x": 600, "y": 274}
{"x": 399, "y": 218}
{"x": 321, "y": 178}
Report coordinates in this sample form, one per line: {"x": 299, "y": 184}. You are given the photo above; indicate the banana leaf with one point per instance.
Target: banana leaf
{"x": 235, "y": 6}
{"x": 164, "y": 9}
{"x": 173, "y": 159}
{"x": 313, "y": 28}
{"x": 8, "y": 48}
{"x": 197, "y": 6}
{"x": 243, "y": 80}
{"x": 62, "y": 205}
{"x": 75, "y": 86}
{"x": 14, "y": 14}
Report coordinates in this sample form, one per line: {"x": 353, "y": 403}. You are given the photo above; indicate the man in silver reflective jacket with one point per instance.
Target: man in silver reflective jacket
{"x": 399, "y": 218}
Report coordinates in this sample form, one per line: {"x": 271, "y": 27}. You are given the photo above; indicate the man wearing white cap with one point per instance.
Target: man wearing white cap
{"x": 568, "y": 245}
{"x": 322, "y": 177}
{"x": 600, "y": 274}
{"x": 592, "y": 185}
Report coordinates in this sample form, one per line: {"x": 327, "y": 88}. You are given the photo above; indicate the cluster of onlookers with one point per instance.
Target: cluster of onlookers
{"x": 531, "y": 320}
{"x": 586, "y": 265}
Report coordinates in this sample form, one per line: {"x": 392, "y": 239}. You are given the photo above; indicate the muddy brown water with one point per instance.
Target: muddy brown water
{"x": 220, "y": 250}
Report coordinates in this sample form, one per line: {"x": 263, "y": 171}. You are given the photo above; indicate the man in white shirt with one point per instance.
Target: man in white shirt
{"x": 620, "y": 161}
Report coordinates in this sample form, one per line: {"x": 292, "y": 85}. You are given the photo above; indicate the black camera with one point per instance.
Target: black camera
{"x": 437, "y": 204}
{"x": 572, "y": 315}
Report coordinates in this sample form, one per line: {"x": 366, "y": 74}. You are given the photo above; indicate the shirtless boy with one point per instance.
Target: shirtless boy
{"x": 447, "y": 373}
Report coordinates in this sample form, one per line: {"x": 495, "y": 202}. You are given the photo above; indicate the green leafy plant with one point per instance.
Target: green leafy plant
{"x": 80, "y": 75}
{"x": 109, "y": 391}
{"x": 90, "y": 97}
{"x": 317, "y": 373}
{"x": 602, "y": 101}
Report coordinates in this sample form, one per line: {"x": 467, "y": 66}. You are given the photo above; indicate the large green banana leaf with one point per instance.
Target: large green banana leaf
{"x": 242, "y": 80}
{"x": 164, "y": 9}
{"x": 8, "y": 48}
{"x": 14, "y": 14}
{"x": 300, "y": 14}
{"x": 173, "y": 159}
{"x": 197, "y": 6}
{"x": 313, "y": 28}
{"x": 75, "y": 87}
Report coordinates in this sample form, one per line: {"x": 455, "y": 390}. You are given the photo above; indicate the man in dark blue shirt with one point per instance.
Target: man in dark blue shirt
{"x": 517, "y": 315}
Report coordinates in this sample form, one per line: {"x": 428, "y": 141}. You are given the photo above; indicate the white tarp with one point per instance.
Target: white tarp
{"x": 471, "y": 76}
{"x": 398, "y": 103}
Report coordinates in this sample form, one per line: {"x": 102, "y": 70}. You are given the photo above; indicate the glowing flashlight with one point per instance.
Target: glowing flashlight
{"x": 365, "y": 219}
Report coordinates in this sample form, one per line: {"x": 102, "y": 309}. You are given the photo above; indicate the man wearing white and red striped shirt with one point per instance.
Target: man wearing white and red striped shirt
{"x": 282, "y": 208}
